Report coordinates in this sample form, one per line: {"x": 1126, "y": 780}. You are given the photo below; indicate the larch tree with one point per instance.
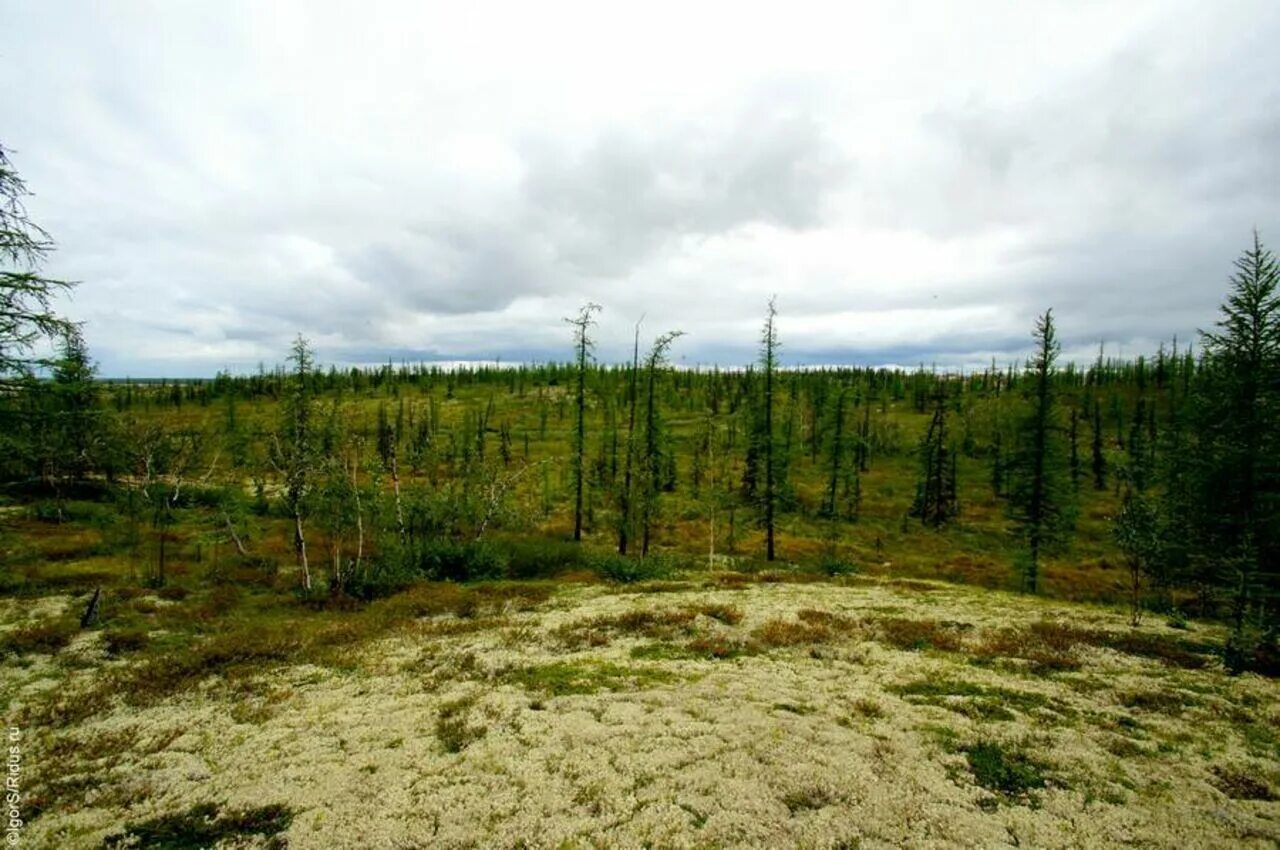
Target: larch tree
{"x": 28, "y": 320}
{"x": 935, "y": 503}
{"x": 652, "y": 472}
{"x": 582, "y": 347}
{"x": 296, "y": 447}
{"x": 1040, "y": 493}
{"x": 1234, "y": 416}
{"x": 628, "y": 464}
{"x": 27, "y": 315}
{"x": 767, "y": 449}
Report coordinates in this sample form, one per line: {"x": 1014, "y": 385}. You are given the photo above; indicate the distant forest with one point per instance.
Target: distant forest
{"x": 1163, "y": 472}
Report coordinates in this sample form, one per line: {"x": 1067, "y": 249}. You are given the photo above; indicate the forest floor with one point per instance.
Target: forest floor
{"x": 719, "y": 710}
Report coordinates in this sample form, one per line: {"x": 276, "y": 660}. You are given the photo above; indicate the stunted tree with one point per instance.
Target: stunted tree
{"x": 764, "y": 441}
{"x": 1137, "y": 532}
{"x": 935, "y": 503}
{"x": 1040, "y": 493}
{"x": 69, "y": 435}
{"x": 651, "y": 459}
{"x": 625, "y": 491}
{"x": 296, "y": 447}
{"x": 582, "y": 346}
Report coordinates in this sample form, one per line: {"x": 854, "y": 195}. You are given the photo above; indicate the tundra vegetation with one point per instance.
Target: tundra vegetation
{"x": 585, "y": 604}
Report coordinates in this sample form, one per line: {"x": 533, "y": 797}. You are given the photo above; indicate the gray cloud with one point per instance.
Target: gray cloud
{"x": 398, "y": 185}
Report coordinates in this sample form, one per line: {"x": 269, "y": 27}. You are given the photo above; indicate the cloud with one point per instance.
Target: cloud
{"x": 915, "y": 184}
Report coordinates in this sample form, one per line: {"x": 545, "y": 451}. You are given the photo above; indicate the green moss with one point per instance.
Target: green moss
{"x": 563, "y": 678}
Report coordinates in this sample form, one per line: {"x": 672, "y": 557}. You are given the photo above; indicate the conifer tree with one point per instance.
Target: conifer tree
{"x": 1040, "y": 501}
{"x": 652, "y": 469}
{"x": 295, "y": 448}
{"x": 625, "y": 492}
{"x": 764, "y": 437}
{"x": 583, "y": 346}
{"x": 1099, "y": 461}
{"x": 935, "y": 502}
{"x": 27, "y": 315}
{"x": 837, "y": 451}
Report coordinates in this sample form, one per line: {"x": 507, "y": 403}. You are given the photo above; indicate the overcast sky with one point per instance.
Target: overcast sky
{"x": 447, "y": 181}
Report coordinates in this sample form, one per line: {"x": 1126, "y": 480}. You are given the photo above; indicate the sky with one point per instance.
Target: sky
{"x": 914, "y": 181}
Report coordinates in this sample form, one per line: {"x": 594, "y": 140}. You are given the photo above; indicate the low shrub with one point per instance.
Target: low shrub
{"x": 47, "y": 636}
{"x": 786, "y": 633}
{"x": 905, "y": 633}
{"x": 203, "y": 825}
{"x": 626, "y": 570}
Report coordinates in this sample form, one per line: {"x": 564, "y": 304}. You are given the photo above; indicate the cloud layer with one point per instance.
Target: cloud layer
{"x": 913, "y": 181}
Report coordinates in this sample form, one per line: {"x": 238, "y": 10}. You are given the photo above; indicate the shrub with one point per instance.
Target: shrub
{"x": 786, "y": 633}
{"x": 1239, "y": 785}
{"x": 535, "y": 558}
{"x": 120, "y": 641}
{"x": 904, "y": 633}
{"x": 453, "y": 729}
{"x": 625, "y": 570}
{"x": 448, "y": 560}
{"x": 836, "y": 567}
{"x": 202, "y": 826}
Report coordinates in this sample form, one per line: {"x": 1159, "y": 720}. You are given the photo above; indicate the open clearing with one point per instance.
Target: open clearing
{"x": 720, "y": 711}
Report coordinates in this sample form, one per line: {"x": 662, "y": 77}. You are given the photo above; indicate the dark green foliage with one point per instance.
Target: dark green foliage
{"x": 935, "y": 503}
{"x": 1006, "y": 771}
{"x": 1137, "y": 532}
{"x": 626, "y": 570}
{"x": 1229, "y": 501}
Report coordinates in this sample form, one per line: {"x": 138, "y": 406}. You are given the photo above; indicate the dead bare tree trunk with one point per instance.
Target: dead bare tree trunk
{"x": 91, "y": 612}
{"x": 235, "y": 538}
